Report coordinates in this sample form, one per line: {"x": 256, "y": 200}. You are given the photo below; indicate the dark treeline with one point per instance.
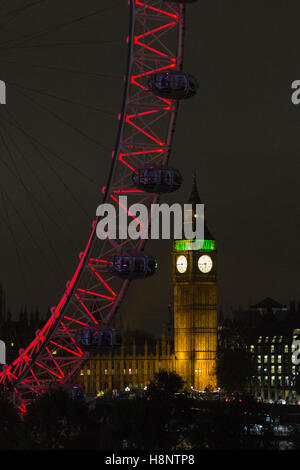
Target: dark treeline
{"x": 164, "y": 419}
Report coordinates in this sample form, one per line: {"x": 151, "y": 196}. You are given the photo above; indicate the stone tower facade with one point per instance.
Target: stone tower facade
{"x": 195, "y": 306}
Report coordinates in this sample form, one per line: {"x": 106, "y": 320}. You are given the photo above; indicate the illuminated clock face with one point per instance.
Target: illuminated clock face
{"x": 205, "y": 263}
{"x": 181, "y": 264}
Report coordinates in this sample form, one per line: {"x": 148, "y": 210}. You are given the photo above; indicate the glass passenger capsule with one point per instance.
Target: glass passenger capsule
{"x": 173, "y": 85}
{"x": 132, "y": 266}
{"x": 181, "y": 1}
{"x": 94, "y": 339}
{"x": 157, "y": 179}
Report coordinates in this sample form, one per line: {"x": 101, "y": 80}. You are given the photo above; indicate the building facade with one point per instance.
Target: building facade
{"x": 276, "y": 372}
{"x": 268, "y": 330}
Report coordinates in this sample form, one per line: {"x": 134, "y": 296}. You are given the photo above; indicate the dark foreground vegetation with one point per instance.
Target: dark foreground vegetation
{"x": 163, "y": 419}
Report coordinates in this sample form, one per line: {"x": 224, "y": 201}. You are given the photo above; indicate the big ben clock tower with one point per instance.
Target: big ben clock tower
{"x": 195, "y": 306}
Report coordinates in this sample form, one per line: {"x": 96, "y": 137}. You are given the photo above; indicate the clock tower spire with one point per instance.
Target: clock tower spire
{"x": 195, "y": 304}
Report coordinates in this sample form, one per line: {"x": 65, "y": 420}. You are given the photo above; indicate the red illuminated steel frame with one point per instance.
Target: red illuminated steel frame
{"x": 145, "y": 134}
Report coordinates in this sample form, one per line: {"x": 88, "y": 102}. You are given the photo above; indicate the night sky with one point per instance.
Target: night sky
{"x": 241, "y": 133}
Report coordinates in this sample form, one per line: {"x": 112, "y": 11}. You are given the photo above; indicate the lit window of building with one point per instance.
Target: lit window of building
{"x": 259, "y": 359}
{"x": 272, "y": 380}
{"x": 265, "y": 359}
{"x": 286, "y": 348}
{"x": 286, "y": 380}
{"x": 279, "y": 359}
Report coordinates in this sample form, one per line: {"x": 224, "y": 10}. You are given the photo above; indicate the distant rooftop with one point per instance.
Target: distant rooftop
{"x": 268, "y": 304}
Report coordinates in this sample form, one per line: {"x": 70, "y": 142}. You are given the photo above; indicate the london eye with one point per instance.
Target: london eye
{"x": 154, "y": 83}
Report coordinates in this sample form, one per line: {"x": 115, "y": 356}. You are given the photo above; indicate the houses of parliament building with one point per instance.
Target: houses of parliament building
{"x": 191, "y": 352}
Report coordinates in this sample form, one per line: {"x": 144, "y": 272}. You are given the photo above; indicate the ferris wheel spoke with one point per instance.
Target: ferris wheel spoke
{"x": 64, "y": 121}
{"x": 37, "y": 145}
{"x": 35, "y": 204}
{"x": 18, "y": 11}
{"x": 61, "y": 69}
{"x": 21, "y": 254}
{"x": 34, "y": 142}
{"x": 21, "y": 271}
{"x": 3, "y": 3}
{"x": 64, "y": 99}
{"x": 67, "y": 44}
{"x": 25, "y": 6}
{"x": 42, "y": 225}
{"x": 58, "y": 27}
{"x": 43, "y": 187}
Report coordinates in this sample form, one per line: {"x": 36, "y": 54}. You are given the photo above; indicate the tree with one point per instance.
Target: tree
{"x": 58, "y": 421}
{"x": 164, "y": 385}
{"x": 297, "y": 383}
{"x": 216, "y": 427}
{"x": 235, "y": 369}
{"x": 12, "y": 431}
{"x": 154, "y": 422}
